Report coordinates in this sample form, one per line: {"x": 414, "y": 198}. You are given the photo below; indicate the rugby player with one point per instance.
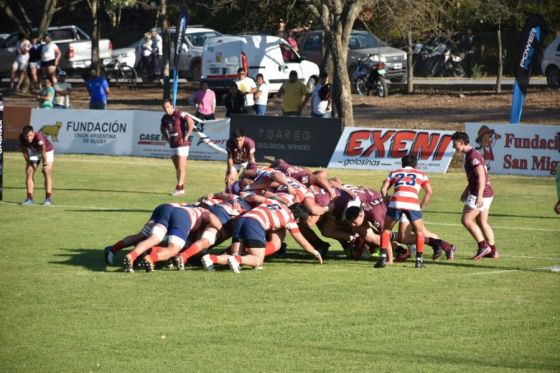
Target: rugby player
{"x": 407, "y": 182}
{"x": 240, "y": 152}
{"x": 36, "y": 147}
{"x": 477, "y": 198}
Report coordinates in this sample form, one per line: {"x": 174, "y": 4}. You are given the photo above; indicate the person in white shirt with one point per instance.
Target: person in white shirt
{"x": 19, "y": 66}
{"x": 247, "y": 87}
{"x": 62, "y": 92}
{"x": 50, "y": 57}
{"x": 157, "y": 52}
{"x": 261, "y": 96}
{"x": 321, "y": 101}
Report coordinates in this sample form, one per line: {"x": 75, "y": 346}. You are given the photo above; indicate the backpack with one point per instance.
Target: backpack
{"x": 325, "y": 92}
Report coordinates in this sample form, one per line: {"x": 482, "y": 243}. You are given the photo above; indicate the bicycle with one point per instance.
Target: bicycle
{"x": 120, "y": 73}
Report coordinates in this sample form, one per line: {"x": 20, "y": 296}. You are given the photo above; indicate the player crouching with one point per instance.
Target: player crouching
{"x": 249, "y": 235}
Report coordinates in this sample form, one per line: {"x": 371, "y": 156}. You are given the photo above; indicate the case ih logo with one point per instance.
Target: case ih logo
{"x": 397, "y": 144}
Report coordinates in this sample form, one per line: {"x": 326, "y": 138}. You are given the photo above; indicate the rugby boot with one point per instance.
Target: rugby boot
{"x": 482, "y": 252}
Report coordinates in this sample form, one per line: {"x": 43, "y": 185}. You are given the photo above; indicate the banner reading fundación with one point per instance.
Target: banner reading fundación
{"x": 120, "y": 132}
{"x": 532, "y": 150}
{"x": 86, "y": 131}
{"x": 383, "y": 148}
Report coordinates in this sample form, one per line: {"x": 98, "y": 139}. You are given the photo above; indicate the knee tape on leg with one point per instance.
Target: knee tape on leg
{"x": 159, "y": 231}
{"x": 176, "y": 240}
{"x": 209, "y": 236}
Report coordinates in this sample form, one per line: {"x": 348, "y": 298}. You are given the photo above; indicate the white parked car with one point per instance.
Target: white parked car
{"x": 551, "y": 63}
{"x": 190, "y": 60}
{"x": 268, "y": 55}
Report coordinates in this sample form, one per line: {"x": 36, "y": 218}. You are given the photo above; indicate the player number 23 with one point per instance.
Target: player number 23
{"x": 411, "y": 179}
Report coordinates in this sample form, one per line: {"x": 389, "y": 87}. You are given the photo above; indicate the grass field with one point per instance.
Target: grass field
{"x": 63, "y": 310}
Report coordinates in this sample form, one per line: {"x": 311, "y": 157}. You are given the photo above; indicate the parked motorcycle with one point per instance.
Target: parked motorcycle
{"x": 439, "y": 59}
{"x": 367, "y": 75}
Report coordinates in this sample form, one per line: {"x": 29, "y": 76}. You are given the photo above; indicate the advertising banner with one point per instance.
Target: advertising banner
{"x": 86, "y": 131}
{"x": 148, "y": 141}
{"x": 297, "y": 140}
{"x": 532, "y": 150}
{"x": 383, "y": 148}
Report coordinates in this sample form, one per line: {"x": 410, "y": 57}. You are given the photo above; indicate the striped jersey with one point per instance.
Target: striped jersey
{"x": 273, "y": 215}
{"x": 301, "y": 192}
{"x": 407, "y": 183}
{"x": 194, "y": 213}
{"x": 237, "y": 209}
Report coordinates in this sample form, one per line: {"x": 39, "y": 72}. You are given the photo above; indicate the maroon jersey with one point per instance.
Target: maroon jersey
{"x": 298, "y": 173}
{"x": 175, "y": 126}
{"x": 374, "y": 208}
{"x": 473, "y": 159}
{"x": 322, "y": 197}
{"x": 240, "y": 155}
{"x": 39, "y": 140}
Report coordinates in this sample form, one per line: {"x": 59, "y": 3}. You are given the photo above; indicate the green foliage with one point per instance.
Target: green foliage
{"x": 63, "y": 310}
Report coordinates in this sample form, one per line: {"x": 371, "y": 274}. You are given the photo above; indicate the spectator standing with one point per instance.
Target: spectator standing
{"x": 157, "y": 52}
{"x": 321, "y": 98}
{"x": 176, "y": 127}
{"x": 50, "y": 57}
{"x": 294, "y": 94}
{"x": 19, "y": 67}
{"x": 98, "y": 89}
{"x": 477, "y": 198}
{"x": 35, "y": 61}
{"x": 62, "y": 92}
{"x": 146, "y": 60}
{"x": 46, "y": 94}
{"x": 205, "y": 102}
{"x": 247, "y": 87}
{"x": 261, "y": 96}
{"x": 466, "y": 45}
{"x": 234, "y": 101}
{"x": 37, "y": 147}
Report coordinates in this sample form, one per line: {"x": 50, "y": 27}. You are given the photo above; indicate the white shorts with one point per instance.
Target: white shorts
{"x": 239, "y": 166}
{"x": 35, "y": 157}
{"x": 35, "y": 65}
{"x": 20, "y": 64}
{"x": 182, "y": 151}
{"x": 470, "y": 202}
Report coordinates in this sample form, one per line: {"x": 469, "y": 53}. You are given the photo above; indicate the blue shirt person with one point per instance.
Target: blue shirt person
{"x": 98, "y": 89}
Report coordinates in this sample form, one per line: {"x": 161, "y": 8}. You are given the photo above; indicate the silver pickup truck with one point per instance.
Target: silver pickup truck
{"x": 72, "y": 41}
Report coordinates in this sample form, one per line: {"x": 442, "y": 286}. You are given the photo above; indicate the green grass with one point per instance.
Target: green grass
{"x": 62, "y": 310}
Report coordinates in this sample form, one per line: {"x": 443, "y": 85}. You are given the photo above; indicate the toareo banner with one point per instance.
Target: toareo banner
{"x": 120, "y": 132}
{"x": 532, "y": 150}
{"x": 383, "y": 148}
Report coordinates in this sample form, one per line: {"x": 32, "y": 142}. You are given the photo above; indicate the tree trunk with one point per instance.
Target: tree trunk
{"x": 95, "y": 36}
{"x": 500, "y": 59}
{"x": 341, "y": 82}
{"x": 48, "y": 12}
{"x": 166, "y": 51}
{"x": 410, "y": 70}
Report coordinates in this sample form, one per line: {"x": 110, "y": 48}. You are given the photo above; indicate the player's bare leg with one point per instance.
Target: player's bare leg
{"x": 385, "y": 241}
{"x": 179, "y": 162}
{"x": 29, "y": 180}
{"x": 141, "y": 248}
{"x": 469, "y": 221}
{"x": 47, "y": 173}
{"x": 488, "y": 232}
{"x": 418, "y": 226}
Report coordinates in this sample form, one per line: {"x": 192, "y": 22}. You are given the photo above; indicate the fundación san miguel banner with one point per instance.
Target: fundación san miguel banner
{"x": 383, "y": 148}
{"x": 120, "y": 132}
{"x": 532, "y": 150}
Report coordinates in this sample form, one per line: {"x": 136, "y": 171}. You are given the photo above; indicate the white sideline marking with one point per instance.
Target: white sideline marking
{"x": 496, "y": 272}
{"x": 69, "y": 207}
{"x": 498, "y": 227}
{"x": 552, "y": 269}
{"x": 528, "y": 257}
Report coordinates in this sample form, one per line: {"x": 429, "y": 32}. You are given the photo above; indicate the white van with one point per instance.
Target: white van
{"x": 268, "y": 55}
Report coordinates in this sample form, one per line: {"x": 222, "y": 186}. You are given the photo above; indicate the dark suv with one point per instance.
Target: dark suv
{"x": 361, "y": 44}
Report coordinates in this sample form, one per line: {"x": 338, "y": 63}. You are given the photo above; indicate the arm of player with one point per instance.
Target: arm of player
{"x": 190, "y": 127}
{"x": 427, "y": 195}
{"x": 479, "y": 171}
{"x": 384, "y": 190}
{"x": 300, "y": 239}
{"x": 313, "y": 208}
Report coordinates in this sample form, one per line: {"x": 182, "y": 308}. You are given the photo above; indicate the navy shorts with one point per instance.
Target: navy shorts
{"x": 220, "y": 213}
{"x": 161, "y": 214}
{"x": 249, "y": 231}
{"x": 179, "y": 223}
{"x": 396, "y": 214}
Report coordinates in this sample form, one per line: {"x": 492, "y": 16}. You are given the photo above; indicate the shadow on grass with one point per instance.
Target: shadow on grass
{"x": 98, "y": 190}
{"x": 91, "y": 259}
